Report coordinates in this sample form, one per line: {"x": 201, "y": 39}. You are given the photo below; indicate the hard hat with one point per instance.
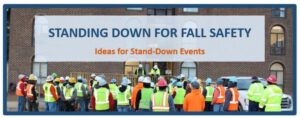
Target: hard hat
{"x": 93, "y": 75}
{"x": 54, "y": 75}
{"x": 233, "y": 79}
{"x": 147, "y": 80}
{"x": 49, "y": 78}
{"x": 35, "y": 78}
{"x": 67, "y": 78}
{"x": 141, "y": 79}
{"x": 101, "y": 80}
{"x": 102, "y": 75}
{"x": 32, "y": 77}
{"x": 191, "y": 79}
{"x": 255, "y": 78}
{"x": 79, "y": 78}
{"x": 72, "y": 80}
{"x": 219, "y": 81}
{"x": 129, "y": 81}
{"x": 162, "y": 83}
{"x": 62, "y": 79}
{"x": 155, "y": 66}
{"x": 272, "y": 79}
{"x": 152, "y": 84}
{"x": 140, "y": 66}
{"x": 179, "y": 84}
{"x": 124, "y": 81}
{"x": 57, "y": 79}
{"x": 208, "y": 81}
{"x": 172, "y": 80}
{"x": 195, "y": 84}
{"x": 84, "y": 80}
{"x": 21, "y": 76}
{"x": 113, "y": 80}
{"x": 160, "y": 77}
{"x": 182, "y": 75}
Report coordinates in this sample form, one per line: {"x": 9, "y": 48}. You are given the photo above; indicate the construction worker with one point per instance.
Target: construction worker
{"x": 140, "y": 71}
{"x": 56, "y": 83}
{"x": 208, "y": 94}
{"x": 66, "y": 81}
{"x": 171, "y": 86}
{"x": 61, "y": 82}
{"x": 113, "y": 88}
{"x": 31, "y": 94}
{"x": 200, "y": 83}
{"x": 232, "y": 96}
{"x": 103, "y": 97}
{"x": 87, "y": 97}
{"x": 178, "y": 95}
{"x": 218, "y": 96}
{"x": 272, "y": 96}
{"x": 135, "y": 90}
{"x": 156, "y": 88}
{"x": 51, "y": 96}
{"x": 187, "y": 84}
{"x": 143, "y": 97}
{"x": 161, "y": 101}
{"x": 21, "y": 93}
{"x": 155, "y": 72}
{"x": 152, "y": 85}
{"x": 123, "y": 96}
{"x": 69, "y": 95}
{"x": 92, "y": 84}
{"x": 81, "y": 93}
{"x": 194, "y": 101}
{"x": 254, "y": 94}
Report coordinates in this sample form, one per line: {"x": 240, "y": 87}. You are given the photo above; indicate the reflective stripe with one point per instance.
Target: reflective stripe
{"x": 273, "y": 105}
{"x": 220, "y": 95}
{"x": 164, "y": 106}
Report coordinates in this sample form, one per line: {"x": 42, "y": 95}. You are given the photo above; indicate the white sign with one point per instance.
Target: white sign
{"x": 149, "y": 38}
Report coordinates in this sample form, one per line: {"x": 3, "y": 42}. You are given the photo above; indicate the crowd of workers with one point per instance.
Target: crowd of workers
{"x": 181, "y": 94}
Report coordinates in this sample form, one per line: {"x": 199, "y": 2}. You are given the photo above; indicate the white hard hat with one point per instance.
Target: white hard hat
{"x": 100, "y": 80}
{"x": 155, "y": 67}
{"x": 182, "y": 75}
{"x": 141, "y": 79}
{"x": 62, "y": 78}
{"x": 152, "y": 84}
{"x": 140, "y": 65}
{"x": 67, "y": 78}
{"x": 93, "y": 75}
{"x": 147, "y": 80}
{"x": 21, "y": 76}
{"x": 49, "y": 78}
{"x": 129, "y": 81}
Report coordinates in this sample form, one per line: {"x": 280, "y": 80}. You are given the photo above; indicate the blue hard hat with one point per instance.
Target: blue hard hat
{"x": 172, "y": 80}
{"x": 124, "y": 81}
{"x": 208, "y": 81}
{"x": 79, "y": 77}
{"x": 195, "y": 85}
{"x": 100, "y": 80}
{"x": 191, "y": 79}
{"x": 219, "y": 81}
{"x": 84, "y": 80}
{"x": 179, "y": 84}
{"x": 233, "y": 79}
{"x": 113, "y": 80}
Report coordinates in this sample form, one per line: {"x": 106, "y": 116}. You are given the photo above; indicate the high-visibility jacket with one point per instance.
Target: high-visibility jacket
{"x": 170, "y": 88}
{"x": 123, "y": 97}
{"x": 48, "y": 95}
{"x": 160, "y": 102}
{"x": 221, "y": 97}
{"x": 255, "y": 92}
{"x": 61, "y": 85}
{"x": 19, "y": 90}
{"x": 29, "y": 93}
{"x": 78, "y": 87}
{"x": 86, "y": 89}
{"x": 271, "y": 99}
{"x": 154, "y": 72}
{"x": 179, "y": 97}
{"x": 68, "y": 92}
{"x": 142, "y": 74}
{"x": 94, "y": 83}
{"x": 146, "y": 94}
{"x": 209, "y": 93}
{"x": 135, "y": 90}
{"x": 234, "y": 102}
{"x": 113, "y": 88}
{"x": 101, "y": 98}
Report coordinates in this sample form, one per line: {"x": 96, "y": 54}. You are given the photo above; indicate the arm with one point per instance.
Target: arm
{"x": 34, "y": 93}
{"x": 53, "y": 92}
{"x": 83, "y": 91}
{"x": 204, "y": 93}
{"x": 264, "y": 97}
{"x": 228, "y": 96}
{"x": 22, "y": 87}
{"x": 174, "y": 94}
{"x": 73, "y": 98}
{"x": 111, "y": 102}
{"x": 137, "y": 100}
{"x": 171, "y": 104}
{"x": 250, "y": 91}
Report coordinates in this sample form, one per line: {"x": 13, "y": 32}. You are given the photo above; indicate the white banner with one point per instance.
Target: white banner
{"x": 149, "y": 38}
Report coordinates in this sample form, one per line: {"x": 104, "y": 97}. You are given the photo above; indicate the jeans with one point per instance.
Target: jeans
{"x": 21, "y": 103}
{"x": 82, "y": 104}
{"x": 218, "y": 108}
{"x": 50, "y": 107}
{"x": 123, "y": 108}
{"x": 32, "y": 106}
{"x": 253, "y": 106}
{"x": 208, "y": 106}
{"x": 86, "y": 102}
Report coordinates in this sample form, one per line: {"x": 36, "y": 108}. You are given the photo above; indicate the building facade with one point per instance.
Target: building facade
{"x": 278, "y": 46}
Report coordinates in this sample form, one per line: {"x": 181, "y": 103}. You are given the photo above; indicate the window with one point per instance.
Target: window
{"x": 277, "y": 40}
{"x": 40, "y": 69}
{"x": 188, "y": 69}
{"x": 161, "y": 12}
{"x": 277, "y": 70}
{"x": 130, "y": 67}
{"x": 135, "y": 9}
{"x": 190, "y": 10}
{"x": 278, "y": 12}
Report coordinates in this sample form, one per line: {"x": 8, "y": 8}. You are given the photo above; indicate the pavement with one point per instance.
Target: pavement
{"x": 12, "y": 103}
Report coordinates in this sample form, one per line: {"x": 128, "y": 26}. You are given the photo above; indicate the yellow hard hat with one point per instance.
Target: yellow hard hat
{"x": 72, "y": 80}
{"x": 57, "y": 79}
{"x": 32, "y": 77}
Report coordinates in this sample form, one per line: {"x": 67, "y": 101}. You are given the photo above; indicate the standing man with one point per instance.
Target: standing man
{"x": 272, "y": 96}
{"x": 232, "y": 96}
{"x": 59, "y": 92}
{"x": 161, "y": 100}
{"x": 143, "y": 97}
{"x": 81, "y": 93}
{"x": 254, "y": 94}
{"x": 155, "y": 72}
{"x": 137, "y": 88}
{"x": 92, "y": 84}
{"x": 21, "y": 93}
{"x": 140, "y": 71}
{"x": 218, "y": 96}
{"x": 87, "y": 97}
{"x": 51, "y": 96}
{"x": 69, "y": 95}
{"x": 32, "y": 94}
{"x": 178, "y": 96}
{"x": 123, "y": 96}
{"x": 113, "y": 88}
{"x": 103, "y": 97}
{"x": 194, "y": 101}
{"x": 208, "y": 94}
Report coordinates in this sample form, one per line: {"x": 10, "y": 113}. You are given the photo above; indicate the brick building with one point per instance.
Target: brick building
{"x": 278, "y": 45}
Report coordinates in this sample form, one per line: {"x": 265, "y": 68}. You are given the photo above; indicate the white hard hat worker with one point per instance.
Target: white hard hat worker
{"x": 21, "y": 76}
{"x": 141, "y": 79}
{"x": 93, "y": 75}
{"x": 49, "y": 78}
{"x": 140, "y": 66}
{"x": 147, "y": 80}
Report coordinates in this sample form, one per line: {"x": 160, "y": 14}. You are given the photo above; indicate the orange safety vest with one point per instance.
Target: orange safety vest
{"x": 234, "y": 102}
{"x": 18, "y": 89}
{"x": 221, "y": 97}
{"x": 28, "y": 91}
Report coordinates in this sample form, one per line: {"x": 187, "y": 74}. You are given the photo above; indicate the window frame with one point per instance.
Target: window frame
{"x": 276, "y": 43}
{"x": 279, "y": 10}
{"x": 131, "y": 66}
{"x": 277, "y": 71}
{"x": 189, "y": 68}
{"x": 40, "y": 66}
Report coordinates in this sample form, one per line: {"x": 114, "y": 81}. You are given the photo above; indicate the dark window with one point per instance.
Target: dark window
{"x": 161, "y": 11}
{"x": 278, "y": 70}
{"x": 189, "y": 69}
{"x": 277, "y": 40}
{"x": 278, "y": 12}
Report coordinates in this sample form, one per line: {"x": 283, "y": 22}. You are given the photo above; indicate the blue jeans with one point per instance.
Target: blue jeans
{"x": 82, "y": 104}
{"x": 123, "y": 108}
{"x": 218, "y": 108}
{"x": 50, "y": 107}
{"x": 21, "y": 103}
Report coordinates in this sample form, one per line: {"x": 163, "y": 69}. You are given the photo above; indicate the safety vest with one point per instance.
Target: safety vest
{"x": 170, "y": 88}
{"x": 160, "y": 102}
{"x": 209, "y": 93}
{"x": 61, "y": 85}
{"x": 86, "y": 89}
{"x": 271, "y": 98}
{"x": 221, "y": 97}
{"x": 18, "y": 89}
{"x": 234, "y": 102}
{"x": 123, "y": 97}
{"x": 78, "y": 89}
{"x": 94, "y": 83}
{"x": 179, "y": 97}
{"x": 101, "y": 98}
{"x": 146, "y": 94}
{"x": 29, "y": 93}
{"x": 68, "y": 92}
{"x": 143, "y": 71}
{"x": 113, "y": 88}
{"x": 255, "y": 92}
{"x": 48, "y": 95}
{"x": 157, "y": 72}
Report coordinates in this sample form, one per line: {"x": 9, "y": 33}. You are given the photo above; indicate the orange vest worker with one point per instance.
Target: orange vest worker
{"x": 138, "y": 87}
{"x": 221, "y": 97}
{"x": 20, "y": 90}
{"x": 194, "y": 101}
{"x": 234, "y": 102}
{"x": 29, "y": 91}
